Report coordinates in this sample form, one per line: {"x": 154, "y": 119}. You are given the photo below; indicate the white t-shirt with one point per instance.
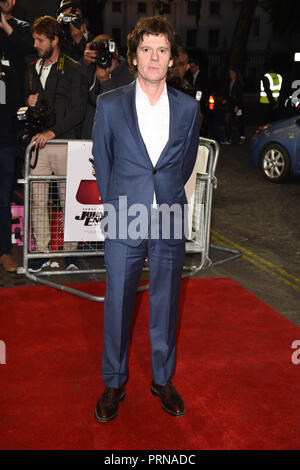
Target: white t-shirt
{"x": 45, "y": 71}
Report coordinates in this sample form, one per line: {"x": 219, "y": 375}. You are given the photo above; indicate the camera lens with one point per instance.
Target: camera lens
{"x": 103, "y": 59}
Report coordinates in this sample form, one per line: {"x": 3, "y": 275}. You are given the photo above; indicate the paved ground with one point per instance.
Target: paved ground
{"x": 262, "y": 220}
{"x": 249, "y": 214}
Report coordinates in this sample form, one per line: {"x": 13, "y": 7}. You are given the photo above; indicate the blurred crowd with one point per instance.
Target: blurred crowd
{"x": 51, "y": 74}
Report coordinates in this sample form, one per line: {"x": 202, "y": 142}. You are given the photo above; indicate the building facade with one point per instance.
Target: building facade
{"x": 210, "y": 39}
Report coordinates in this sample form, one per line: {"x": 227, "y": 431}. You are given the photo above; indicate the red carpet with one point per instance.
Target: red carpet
{"x": 234, "y": 371}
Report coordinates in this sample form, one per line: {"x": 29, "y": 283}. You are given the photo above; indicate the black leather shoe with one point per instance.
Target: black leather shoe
{"x": 171, "y": 401}
{"x": 108, "y": 404}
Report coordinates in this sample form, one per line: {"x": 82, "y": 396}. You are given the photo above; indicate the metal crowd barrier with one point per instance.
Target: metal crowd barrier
{"x": 205, "y": 181}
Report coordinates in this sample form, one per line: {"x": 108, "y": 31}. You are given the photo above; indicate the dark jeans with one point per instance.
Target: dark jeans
{"x": 230, "y": 119}
{"x": 7, "y": 174}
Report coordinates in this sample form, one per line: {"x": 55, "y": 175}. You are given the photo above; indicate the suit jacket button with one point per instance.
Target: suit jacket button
{"x": 154, "y": 172}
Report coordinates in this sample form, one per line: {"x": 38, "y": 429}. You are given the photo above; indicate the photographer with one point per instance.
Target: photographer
{"x": 55, "y": 85}
{"x": 15, "y": 40}
{"x": 15, "y": 44}
{"x": 178, "y": 76}
{"x": 9, "y": 101}
{"x": 75, "y": 31}
{"x": 106, "y": 71}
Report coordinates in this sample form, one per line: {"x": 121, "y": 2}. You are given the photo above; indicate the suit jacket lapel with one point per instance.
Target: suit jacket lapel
{"x": 174, "y": 118}
{"x": 174, "y": 115}
{"x": 132, "y": 119}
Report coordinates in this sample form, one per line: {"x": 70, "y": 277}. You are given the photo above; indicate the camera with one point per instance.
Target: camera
{"x": 72, "y": 18}
{"x": 36, "y": 119}
{"x": 106, "y": 52}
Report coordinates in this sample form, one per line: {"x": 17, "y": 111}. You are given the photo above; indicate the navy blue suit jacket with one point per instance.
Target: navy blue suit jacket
{"x": 122, "y": 164}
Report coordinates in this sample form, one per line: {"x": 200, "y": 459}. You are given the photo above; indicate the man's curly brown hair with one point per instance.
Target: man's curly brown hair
{"x": 154, "y": 25}
{"x": 49, "y": 26}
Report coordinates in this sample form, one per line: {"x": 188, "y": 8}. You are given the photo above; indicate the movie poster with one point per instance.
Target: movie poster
{"x": 83, "y": 209}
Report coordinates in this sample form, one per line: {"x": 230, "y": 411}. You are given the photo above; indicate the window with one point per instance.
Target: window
{"x": 191, "y": 38}
{"x": 142, "y": 7}
{"x": 116, "y": 7}
{"x": 214, "y": 8}
{"x": 191, "y": 8}
{"x": 213, "y": 37}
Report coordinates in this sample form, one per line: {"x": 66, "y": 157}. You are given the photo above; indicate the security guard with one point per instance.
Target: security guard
{"x": 270, "y": 87}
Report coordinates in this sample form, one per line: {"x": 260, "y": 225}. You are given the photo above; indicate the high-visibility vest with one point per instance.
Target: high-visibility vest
{"x": 275, "y": 86}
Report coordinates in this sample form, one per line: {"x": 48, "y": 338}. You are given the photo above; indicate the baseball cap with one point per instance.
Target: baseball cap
{"x": 64, "y": 4}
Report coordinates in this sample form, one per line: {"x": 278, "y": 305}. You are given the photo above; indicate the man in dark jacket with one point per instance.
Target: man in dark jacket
{"x": 76, "y": 33}
{"x": 15, "y": 40}
{"x": 233, "y": 106}
{"x": 57, "y": 81}
{"x": 201, "y": 90}
{"x": 178, "y": 77}
{"x": 15, "y": 44}
{"x": 102, "y": 79}
{"x": 9, "y": 101}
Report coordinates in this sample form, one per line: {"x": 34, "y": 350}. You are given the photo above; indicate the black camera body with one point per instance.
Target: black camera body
{"x": 36, "y": 119}
{"x": 106, "y": 52}
{"x": 72, "y": 18}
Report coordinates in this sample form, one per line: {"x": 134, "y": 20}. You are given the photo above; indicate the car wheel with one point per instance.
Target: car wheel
{"x": 275, "y": 163}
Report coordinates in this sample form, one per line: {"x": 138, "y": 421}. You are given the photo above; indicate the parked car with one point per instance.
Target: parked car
{"x": 275, "y": 149}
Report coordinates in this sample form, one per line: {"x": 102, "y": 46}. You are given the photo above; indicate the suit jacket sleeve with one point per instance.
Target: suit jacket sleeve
{"x": 191, "y": 145}
{"x": 102, "y": 151}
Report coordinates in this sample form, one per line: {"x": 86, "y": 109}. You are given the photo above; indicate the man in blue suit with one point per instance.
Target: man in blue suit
{"x": 145, "y": 142}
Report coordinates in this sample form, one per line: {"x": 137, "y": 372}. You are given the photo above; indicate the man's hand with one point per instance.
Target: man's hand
{"x": 32, "y": 100}
{"x": 42, "y": 138}
{"x": 102, "y": 74}
{"x": 89, "y": 56}
{"x": 76, "y": 34}
{"x": 4, "y": 25}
